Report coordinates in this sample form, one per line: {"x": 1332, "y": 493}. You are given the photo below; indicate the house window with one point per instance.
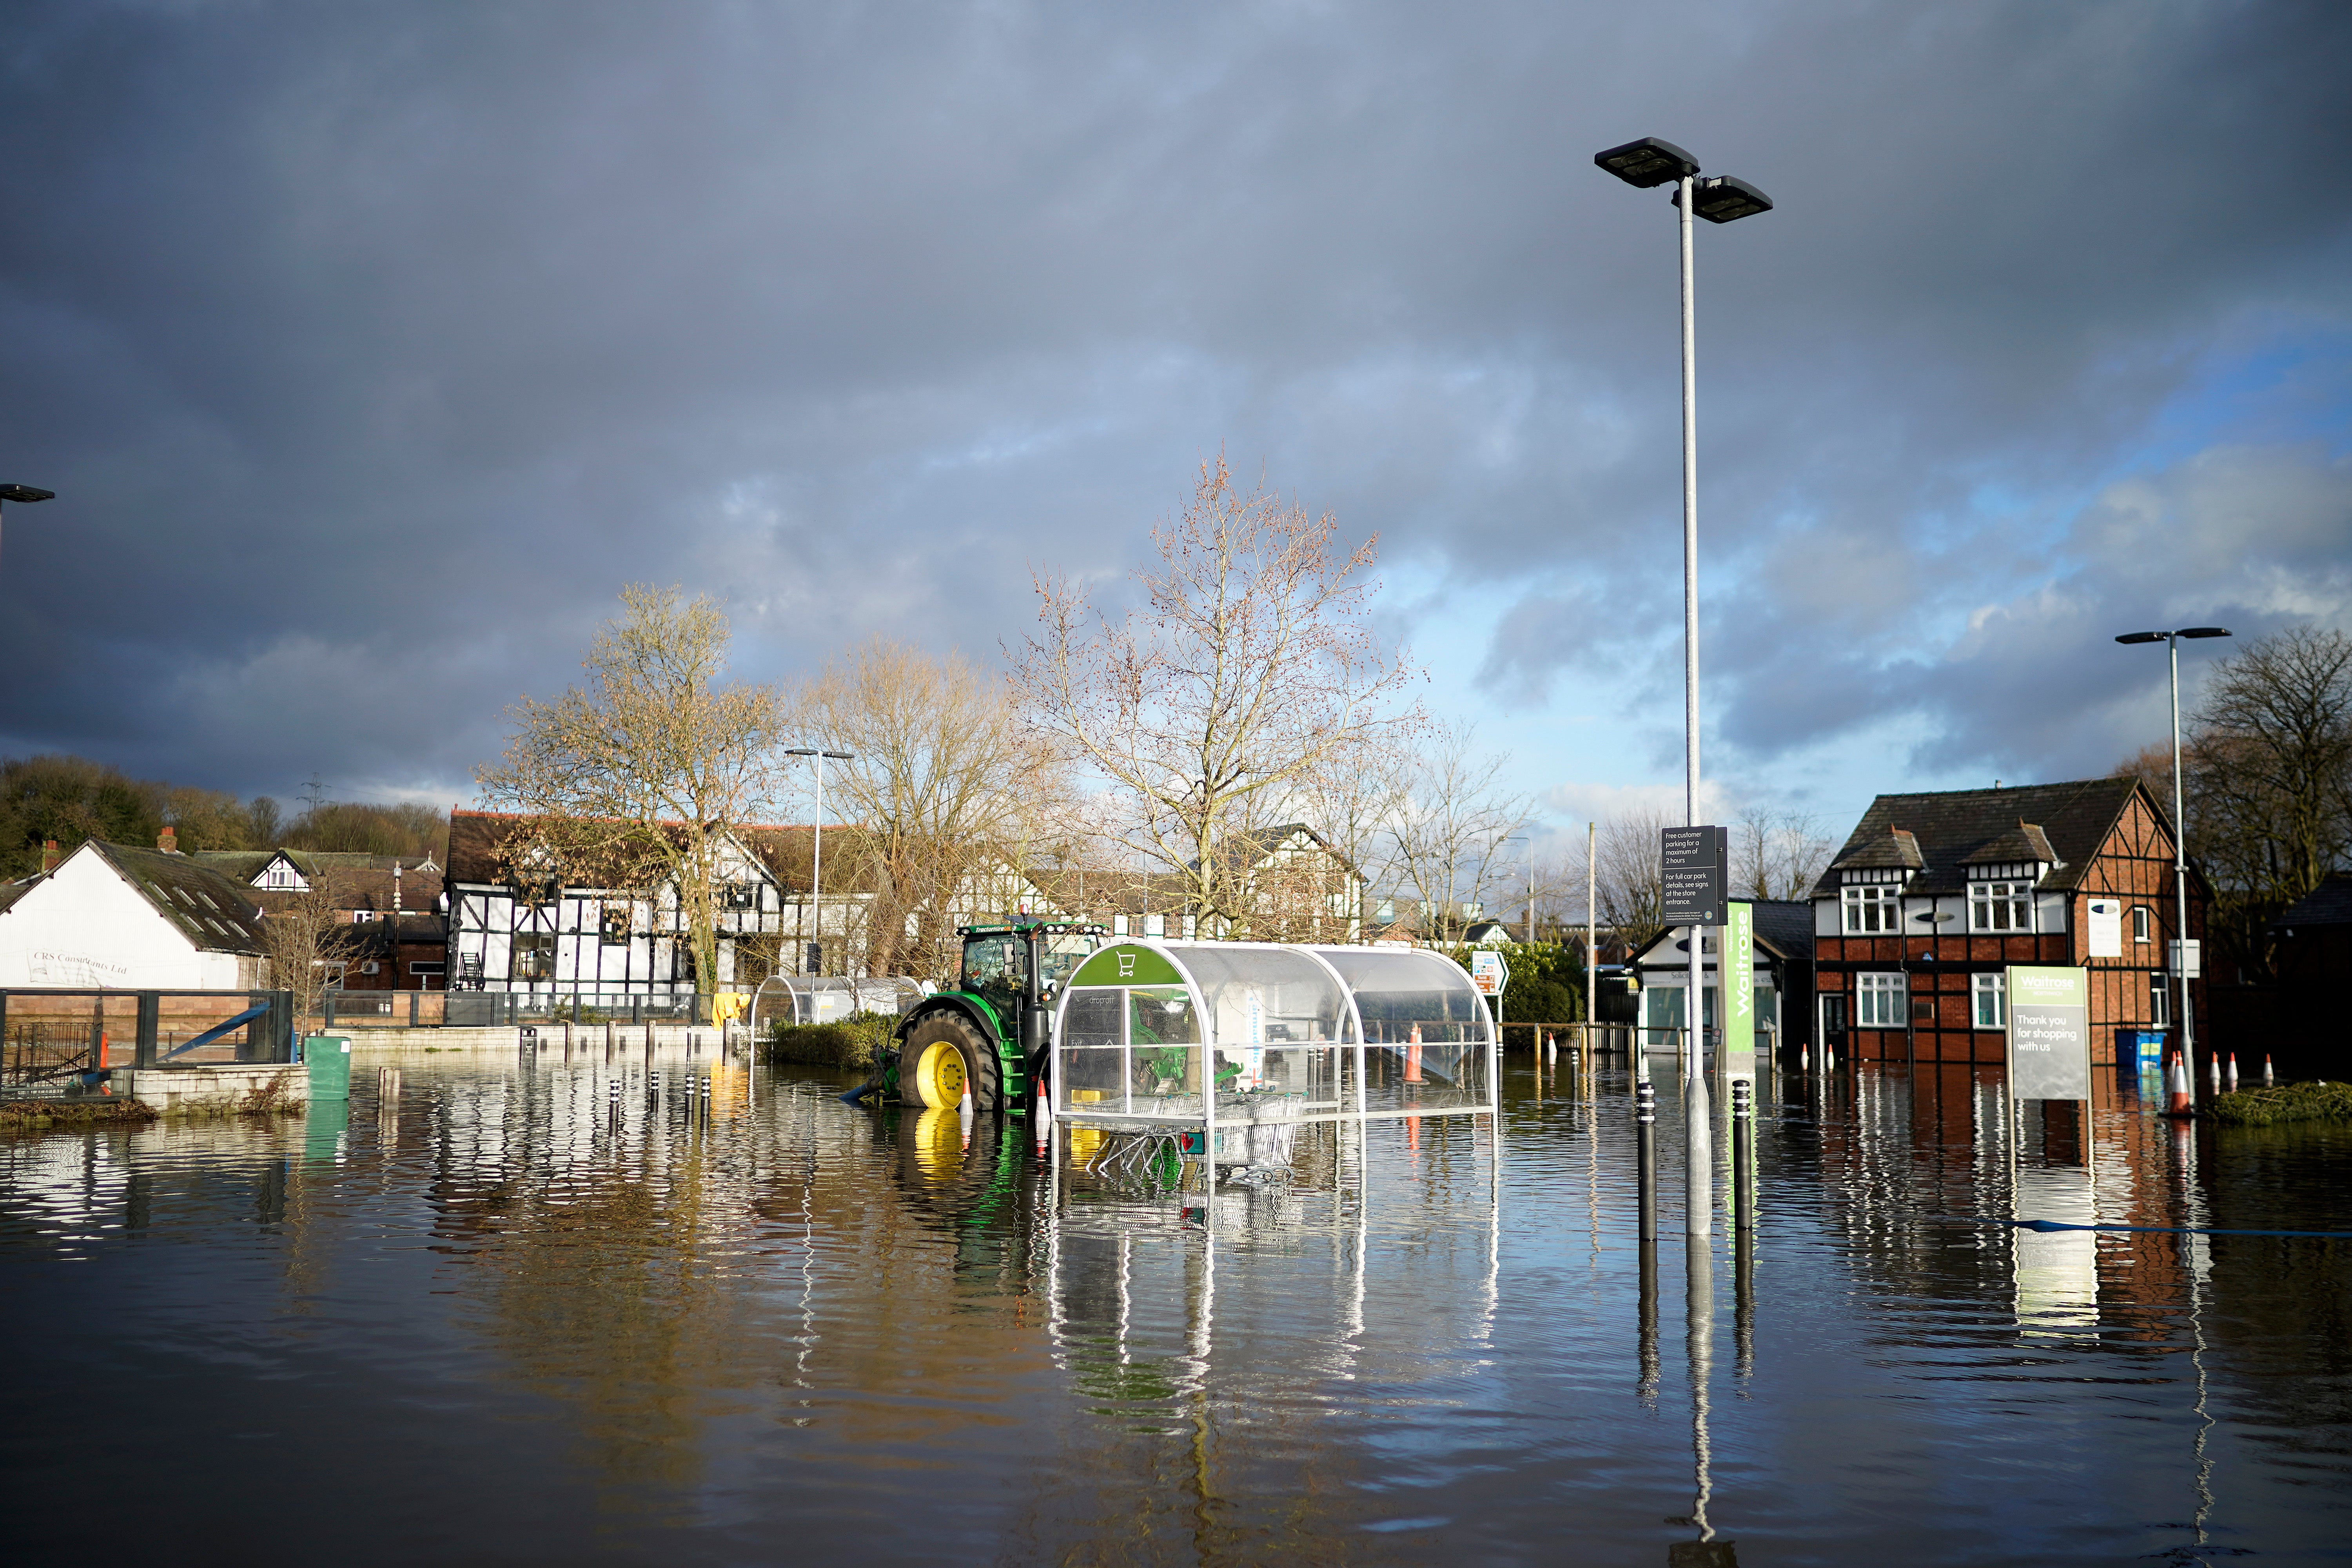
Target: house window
{"x": 742, "y": 896}
{"x": 1990, "y": 994}
{"x": 2001, "y": 906}
{"x": 2139, "y": 922}
{"x": 534, "y": 956}
{"x": 1119, "y": 925}
{"x": 612, "y": 925}
{"x": 1870, "y": 909}
{"x": 1878, "y": 1000}
{"x": 2160, "y": 999}
{"x": 1155, "y": 925}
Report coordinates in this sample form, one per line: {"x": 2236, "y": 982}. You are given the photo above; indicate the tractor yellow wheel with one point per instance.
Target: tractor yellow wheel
{"x": 943, "y": 1056}
{"x": 939, "y": 1077}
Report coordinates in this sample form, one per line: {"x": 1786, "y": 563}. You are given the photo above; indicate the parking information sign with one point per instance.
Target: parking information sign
{"x": 2048, "y": 1033}
{"x": 1694, "y": 862}
{"x": 1489, "y": 972}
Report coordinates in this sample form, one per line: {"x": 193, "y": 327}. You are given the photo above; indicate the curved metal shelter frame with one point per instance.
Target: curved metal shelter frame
{"x": 824, "y": 998}
{"x": 1247, "y": 1041}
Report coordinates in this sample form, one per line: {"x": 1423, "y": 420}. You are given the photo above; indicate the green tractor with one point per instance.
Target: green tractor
{"x": 991, "y": 1032}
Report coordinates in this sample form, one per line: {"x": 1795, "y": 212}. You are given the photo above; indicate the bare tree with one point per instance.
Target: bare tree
{"x": 1448, "y": 830}
{"x": 1777, "y": 855}
{"x": 945, "y": 782}
{"x": 1353, "y": 809}
{"x": 634, "y": 780}
{"x": 308, "y": 939}
{"x": 1251, "y": 666}
{"x": 2268, "y": 776}
{"x": 1631, "y": 883}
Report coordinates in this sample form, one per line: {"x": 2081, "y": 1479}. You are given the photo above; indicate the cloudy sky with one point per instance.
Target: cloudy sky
{"x": 371, "y": 348}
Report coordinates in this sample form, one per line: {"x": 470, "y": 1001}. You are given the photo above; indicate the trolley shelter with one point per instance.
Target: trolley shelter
{"x": 1247, "y": 1041}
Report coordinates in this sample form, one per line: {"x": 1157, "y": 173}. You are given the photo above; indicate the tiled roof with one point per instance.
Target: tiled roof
{"x": 1953, "y": 830}
{"x": 476, "y": 838}
{"x": 1895, "y": 850}
{"x": 205, "y": 905}
{"x": 2328, "y": 904}
{"x": 1787, "y": 925}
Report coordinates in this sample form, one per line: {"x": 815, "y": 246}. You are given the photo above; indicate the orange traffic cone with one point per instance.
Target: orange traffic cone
{"x": 2176, "y": 1083}
{"x": 2267, "y": 1080}
{"x": 1412, "y": 1056}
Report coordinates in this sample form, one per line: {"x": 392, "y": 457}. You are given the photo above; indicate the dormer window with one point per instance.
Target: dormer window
{"x": 1873, "y": 906}
{"x": 2001, "y": 906}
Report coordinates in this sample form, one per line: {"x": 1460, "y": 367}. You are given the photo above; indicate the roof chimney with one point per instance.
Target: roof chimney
{"x": 49, "y": 855}
{"x": 168, "y": 841}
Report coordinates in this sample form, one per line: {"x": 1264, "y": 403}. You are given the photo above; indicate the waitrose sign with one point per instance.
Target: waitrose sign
{"x": 2048, "y": 1033}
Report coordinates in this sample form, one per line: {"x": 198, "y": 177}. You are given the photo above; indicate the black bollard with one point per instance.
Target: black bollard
{"x": 1645, "y": 1136}
{"x": 1743, "y": 1154}
{"x": 1646, "y": 1383}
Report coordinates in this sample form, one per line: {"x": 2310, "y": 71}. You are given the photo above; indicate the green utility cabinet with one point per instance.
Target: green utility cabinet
{"x": 328, "y": 1058}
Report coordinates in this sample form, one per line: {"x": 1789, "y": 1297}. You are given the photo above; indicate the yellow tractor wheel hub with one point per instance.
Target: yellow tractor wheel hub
{"x": 939, "y": 1077}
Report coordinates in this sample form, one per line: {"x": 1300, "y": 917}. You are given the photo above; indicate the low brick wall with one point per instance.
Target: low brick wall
{"x": 585, "y": 1038}
{"x": 213, "y": 1088}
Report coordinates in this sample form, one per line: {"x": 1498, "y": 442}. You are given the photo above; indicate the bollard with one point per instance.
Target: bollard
{"x": 608, "y": 1039}
{"x": 2266, "y": 1072}
{"x": 1645, "y": 1137}
{"x": 1743, "y": 1153}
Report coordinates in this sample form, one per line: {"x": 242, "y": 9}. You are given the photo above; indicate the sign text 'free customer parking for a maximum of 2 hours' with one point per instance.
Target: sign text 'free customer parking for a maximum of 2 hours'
{"x": 1694, "y": 864}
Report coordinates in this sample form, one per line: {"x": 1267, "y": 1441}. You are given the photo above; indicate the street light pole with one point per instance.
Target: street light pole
{"x": 816, "y": 833}
{"x": 1646, "y": 164}
{"x": 2180, "y": 954}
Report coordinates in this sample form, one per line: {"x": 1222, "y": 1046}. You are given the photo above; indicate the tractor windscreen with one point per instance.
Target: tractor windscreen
{"x": 1060, "y": 956}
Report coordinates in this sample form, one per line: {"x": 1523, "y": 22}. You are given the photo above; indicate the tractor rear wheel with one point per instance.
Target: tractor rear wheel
{"x": 942, "y": 1055}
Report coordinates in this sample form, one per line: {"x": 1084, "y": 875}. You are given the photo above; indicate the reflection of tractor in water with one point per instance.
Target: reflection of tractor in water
{"x": 989, "y": 1034}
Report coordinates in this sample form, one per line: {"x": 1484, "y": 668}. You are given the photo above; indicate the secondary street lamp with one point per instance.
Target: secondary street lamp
{"x": 1646, "y": 164}
{"x": 25, "y": 494}
{"x": 816, "y": 836}
{"x": 2181, "y": 949}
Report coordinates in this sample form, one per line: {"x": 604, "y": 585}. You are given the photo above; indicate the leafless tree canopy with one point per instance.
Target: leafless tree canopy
{"x": 1777, "y": 855}
{"x": 950, "y": 790}
{"x": 633, "y": 778}
{"x": 2267, "y": 758}
{"x": 1450, "y": 820}
{"x": 308, "y": 939}
{"x": 1249, "y": 667}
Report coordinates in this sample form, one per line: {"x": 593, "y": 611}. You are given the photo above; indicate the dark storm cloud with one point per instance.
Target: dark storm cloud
{"x": 371, "y": 349}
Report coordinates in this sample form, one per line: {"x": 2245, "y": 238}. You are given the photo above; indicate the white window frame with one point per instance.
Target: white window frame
{"x": 2001, "y": 907}
{"x": 1988, "y": 1001}
{"x": 1879, "y": 902}
{"x": 1881, "y": 1001}
{"x": 2160, "y": 999}
{"x": 2141, "y": 922}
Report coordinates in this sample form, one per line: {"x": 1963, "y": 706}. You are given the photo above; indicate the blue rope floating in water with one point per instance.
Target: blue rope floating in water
{"x": 2046, "y": 1225}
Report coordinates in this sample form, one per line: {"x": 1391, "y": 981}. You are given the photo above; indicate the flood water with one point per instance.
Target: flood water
{"x": 506, "y": 1319}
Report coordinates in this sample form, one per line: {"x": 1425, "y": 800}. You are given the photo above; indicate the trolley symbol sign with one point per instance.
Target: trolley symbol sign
{"x": 1489, "y": 972}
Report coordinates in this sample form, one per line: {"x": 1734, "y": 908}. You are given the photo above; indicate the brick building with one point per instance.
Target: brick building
{"x": 1935, "y": 895}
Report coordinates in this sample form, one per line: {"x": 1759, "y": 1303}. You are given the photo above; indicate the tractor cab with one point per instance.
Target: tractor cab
{"x": 996, "y": 961}
{"x": 984, "y": 1035}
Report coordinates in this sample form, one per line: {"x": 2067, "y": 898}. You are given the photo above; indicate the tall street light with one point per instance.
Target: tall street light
{"x": 2180, "y": 955}
{"x": 816, "y": 835}
{"x": 1646, "y": 164}
{"x": 24, "y": 495}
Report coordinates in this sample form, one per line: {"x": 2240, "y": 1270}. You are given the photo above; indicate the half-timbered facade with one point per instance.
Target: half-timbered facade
{"x": 1934, "y": 895}
{"x": 518, "y": 922}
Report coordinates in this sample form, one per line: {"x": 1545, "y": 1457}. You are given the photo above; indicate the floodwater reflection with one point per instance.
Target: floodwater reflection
{"x": 689, "y": 1311}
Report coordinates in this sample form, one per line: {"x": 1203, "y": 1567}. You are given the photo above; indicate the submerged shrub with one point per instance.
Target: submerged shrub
{"x": 2288, "y": 1102}
{"x": 853, "y": 1042}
